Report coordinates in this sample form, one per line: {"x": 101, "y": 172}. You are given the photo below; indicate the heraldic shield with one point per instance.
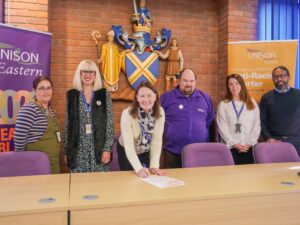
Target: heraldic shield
{"x": 141, "y": 67}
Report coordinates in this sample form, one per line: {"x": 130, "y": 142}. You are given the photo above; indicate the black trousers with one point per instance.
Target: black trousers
{"x": 124, "y": 162}
{"x": 172, "y": 160}
{"x": 242, "y": 158}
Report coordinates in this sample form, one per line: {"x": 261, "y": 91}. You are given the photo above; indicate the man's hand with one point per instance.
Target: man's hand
{"x": 273, "y": 140}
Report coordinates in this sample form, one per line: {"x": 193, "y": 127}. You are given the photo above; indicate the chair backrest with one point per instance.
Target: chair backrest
{"x": 275, "y": 152}
{"x": 206, "y": 154}
{"x": 114, "y": 164}
{"x": 24, "y": 163}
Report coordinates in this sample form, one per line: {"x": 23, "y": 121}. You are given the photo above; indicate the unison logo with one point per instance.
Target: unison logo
{"x": 28, "y": 62}
{"x": 258, "y": 54}
{"x": 10, "y": 53}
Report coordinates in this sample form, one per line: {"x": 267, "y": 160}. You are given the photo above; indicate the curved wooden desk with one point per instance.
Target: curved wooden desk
{"x": 241, "y": 195}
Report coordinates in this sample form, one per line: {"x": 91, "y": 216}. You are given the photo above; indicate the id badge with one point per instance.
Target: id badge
{"x": 88, "y": 128}
{"x": 58, "y": 136}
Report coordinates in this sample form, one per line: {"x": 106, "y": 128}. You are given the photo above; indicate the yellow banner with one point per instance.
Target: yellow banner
{"x": 254, "y": 61}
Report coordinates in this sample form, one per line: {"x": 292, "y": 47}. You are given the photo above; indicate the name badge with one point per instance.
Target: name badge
{"x": 58, "y": 136}
{"x": 88, "y": 128}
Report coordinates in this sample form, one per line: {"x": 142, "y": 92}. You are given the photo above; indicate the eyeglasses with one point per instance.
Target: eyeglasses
{"x": 88, "y": 72}
{"x": 44, "y": 89}
{"x": 281, "y": 76}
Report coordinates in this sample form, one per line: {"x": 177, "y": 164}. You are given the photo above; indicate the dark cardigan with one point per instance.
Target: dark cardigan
{"x": 98, "y": 112}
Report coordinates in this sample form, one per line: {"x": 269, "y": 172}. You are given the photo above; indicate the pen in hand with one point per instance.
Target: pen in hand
{"x": 144, "y": 171}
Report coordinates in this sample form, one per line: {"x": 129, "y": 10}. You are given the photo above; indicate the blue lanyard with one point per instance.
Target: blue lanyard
{"x": 88, "y": 107}
{"x": 236, "y": 112}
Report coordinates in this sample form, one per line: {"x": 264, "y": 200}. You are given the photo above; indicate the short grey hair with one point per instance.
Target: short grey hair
{"x": 88, "y": 65}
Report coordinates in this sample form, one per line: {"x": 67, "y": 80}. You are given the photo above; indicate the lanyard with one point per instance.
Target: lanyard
{"x": 88, "y": 107}
{"x": 235, "y": 109}
{"x": 49, "y": 112}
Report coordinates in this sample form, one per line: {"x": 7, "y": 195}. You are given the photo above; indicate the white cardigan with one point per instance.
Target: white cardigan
{"x": 130, "y": 131}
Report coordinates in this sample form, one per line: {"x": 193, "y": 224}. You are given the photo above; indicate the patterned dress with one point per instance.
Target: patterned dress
{"x": 86, "y": 161}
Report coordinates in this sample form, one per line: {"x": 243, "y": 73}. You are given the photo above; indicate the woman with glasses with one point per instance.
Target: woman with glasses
{"x": 37, "y": 127}
{"x": 142, "y": 126}
{"x": 238, "y": 120}
{"x": 89, "y": 128}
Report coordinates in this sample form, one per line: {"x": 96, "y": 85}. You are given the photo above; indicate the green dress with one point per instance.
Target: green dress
{"x": 49, "y": 144}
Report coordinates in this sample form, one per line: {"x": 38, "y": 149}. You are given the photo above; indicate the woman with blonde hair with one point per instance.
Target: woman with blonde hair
{"x": 238, "y": 120}
{"x": 89, "y": 128}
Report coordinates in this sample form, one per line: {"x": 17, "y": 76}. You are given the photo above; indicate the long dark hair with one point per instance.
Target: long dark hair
{"x": 135, "y": 105}
{"x": 244, "y": 94}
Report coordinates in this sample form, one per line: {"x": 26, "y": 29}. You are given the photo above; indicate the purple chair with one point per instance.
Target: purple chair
{"x": 275, "y": 152}
{"x": 24, "y": 163}
{"x": 206, "y": 154}
{"x": 114, "y": 164}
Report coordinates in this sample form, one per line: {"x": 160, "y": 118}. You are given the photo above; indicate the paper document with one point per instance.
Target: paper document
{"x": 163, "y": 181}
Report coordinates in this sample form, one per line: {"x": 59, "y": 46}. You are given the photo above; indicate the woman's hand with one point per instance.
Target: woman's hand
{"x": 105, "y": 157}
{"x": 241, "y": 148}
{"x": 247, "y": 147}
{"x": 143, "y": 173}
{"x": 157, "y": 171}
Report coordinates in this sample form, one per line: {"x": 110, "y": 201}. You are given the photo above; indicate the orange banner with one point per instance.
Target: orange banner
{"x": 255, "y": 60}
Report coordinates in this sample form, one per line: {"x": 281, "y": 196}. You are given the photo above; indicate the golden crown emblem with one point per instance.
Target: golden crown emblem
{"x": 141, "y": 28}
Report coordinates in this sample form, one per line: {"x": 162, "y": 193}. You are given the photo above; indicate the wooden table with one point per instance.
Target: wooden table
{"x": 230, "y": 195}
{"x": 23, "y": 200}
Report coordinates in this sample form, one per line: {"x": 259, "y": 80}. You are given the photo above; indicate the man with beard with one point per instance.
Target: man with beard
{"x": 189, "y": 113}
{"x": 280, "y": 110}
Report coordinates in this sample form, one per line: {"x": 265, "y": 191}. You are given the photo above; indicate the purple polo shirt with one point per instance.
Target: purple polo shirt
{"x": 187, "y": 119}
